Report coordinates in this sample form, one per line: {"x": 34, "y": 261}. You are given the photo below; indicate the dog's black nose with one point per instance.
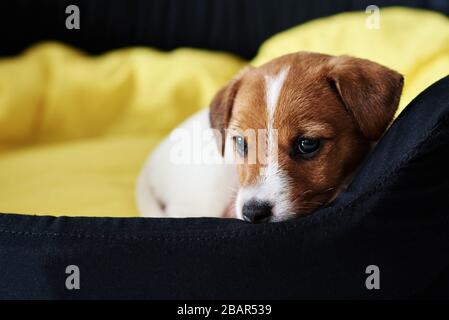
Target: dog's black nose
{"x": 256, "y": 211}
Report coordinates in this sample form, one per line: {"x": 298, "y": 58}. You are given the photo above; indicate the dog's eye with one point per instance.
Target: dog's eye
{"x": 241, "y": 145}
{"x": 307, "y": 147}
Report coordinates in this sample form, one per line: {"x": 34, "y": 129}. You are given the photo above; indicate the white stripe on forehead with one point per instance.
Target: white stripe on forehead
{"x": 273, "y": 86}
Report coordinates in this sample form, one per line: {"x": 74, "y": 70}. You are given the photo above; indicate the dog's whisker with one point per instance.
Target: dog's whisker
{"x": 326, "y": 190}
{"x": 314, "y": 202}
{"x": 306, "y": 192}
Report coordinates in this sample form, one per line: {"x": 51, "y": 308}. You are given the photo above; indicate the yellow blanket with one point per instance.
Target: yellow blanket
{"x": 75, "y": 129}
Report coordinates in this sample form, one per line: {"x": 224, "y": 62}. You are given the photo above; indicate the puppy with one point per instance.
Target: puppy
{"x": 295, "y": 129}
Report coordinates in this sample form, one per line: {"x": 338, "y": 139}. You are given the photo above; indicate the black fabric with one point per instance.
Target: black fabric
{"x": 394, "y": 215}
{"x": 237, "y": 26}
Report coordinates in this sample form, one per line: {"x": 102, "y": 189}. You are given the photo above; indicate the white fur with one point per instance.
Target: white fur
{"x": 188, "y": 189}
{"x": 273, "y": 86}
{"x": 272, "y": 182}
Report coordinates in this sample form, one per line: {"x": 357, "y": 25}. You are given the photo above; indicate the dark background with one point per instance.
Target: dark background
{"x": 237, "y": 26}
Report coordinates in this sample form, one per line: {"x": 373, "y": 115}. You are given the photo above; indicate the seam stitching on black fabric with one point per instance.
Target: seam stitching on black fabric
{"x": 121, "y": 238}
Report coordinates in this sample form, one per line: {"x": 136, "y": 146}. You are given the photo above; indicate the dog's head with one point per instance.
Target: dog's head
{"x": 301, "y": 125}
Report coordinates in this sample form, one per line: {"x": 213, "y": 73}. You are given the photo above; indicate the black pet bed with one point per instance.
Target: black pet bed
{"x": 394, "y": 215}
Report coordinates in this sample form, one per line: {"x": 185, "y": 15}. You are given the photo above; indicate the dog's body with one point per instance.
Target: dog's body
{"x": 168, "y": 189}
{"x": 296, "y": 128}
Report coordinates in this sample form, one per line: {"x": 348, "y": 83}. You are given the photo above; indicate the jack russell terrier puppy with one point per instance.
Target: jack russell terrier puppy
{"x": 290, "y": 135}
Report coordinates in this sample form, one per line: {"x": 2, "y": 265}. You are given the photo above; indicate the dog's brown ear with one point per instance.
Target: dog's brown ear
{"x": 369, "y": 91}
{"x": 221, "y": 108}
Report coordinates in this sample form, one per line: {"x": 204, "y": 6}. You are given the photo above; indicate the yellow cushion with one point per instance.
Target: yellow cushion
{"x": 75, "y": 129}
